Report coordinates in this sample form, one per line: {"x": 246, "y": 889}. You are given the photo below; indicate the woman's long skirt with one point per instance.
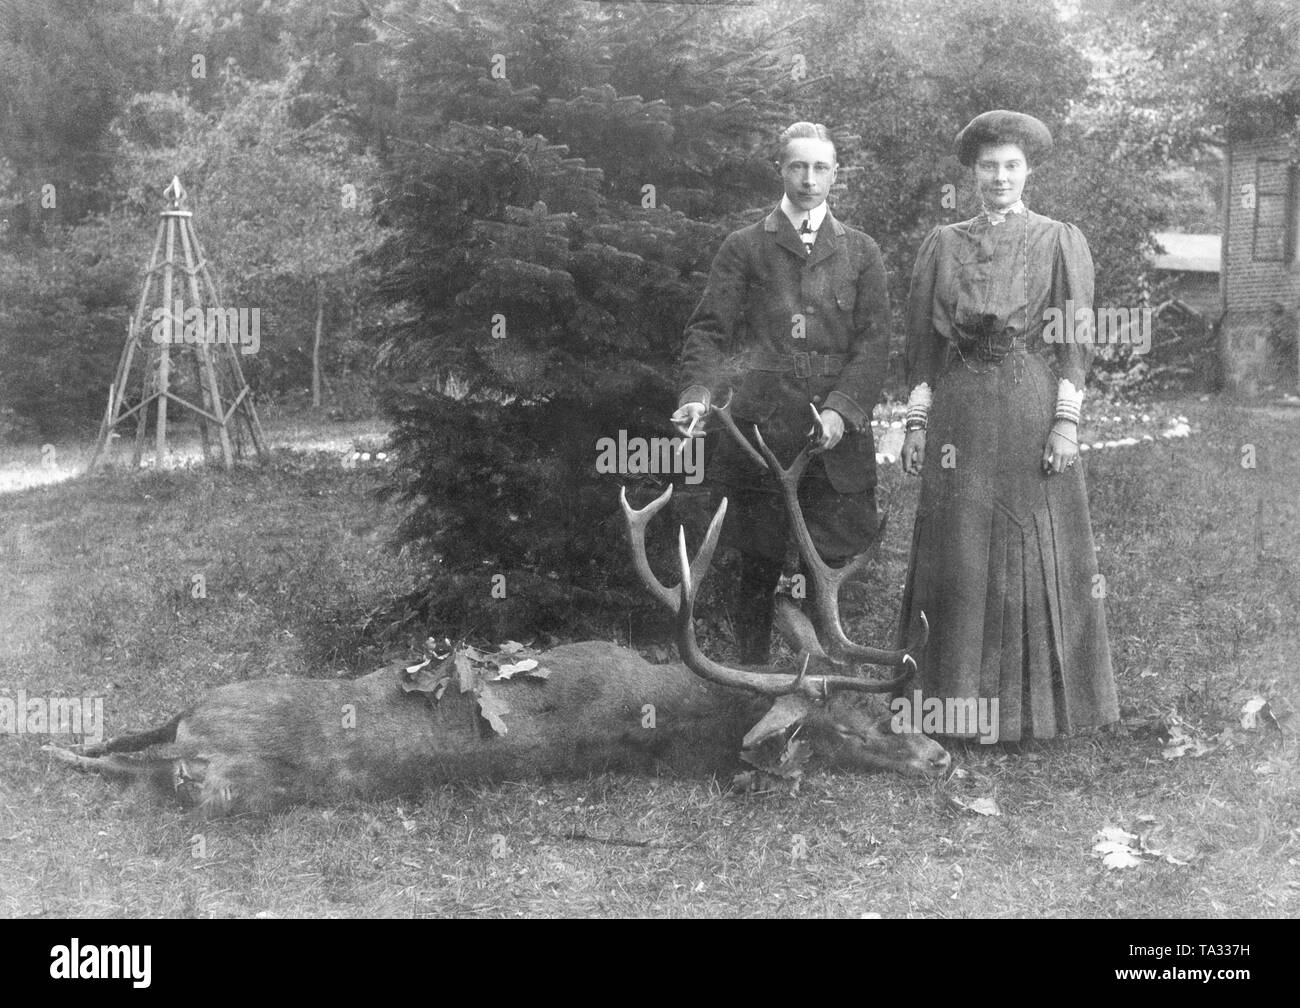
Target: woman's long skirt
{"x": 1003, "y": 561}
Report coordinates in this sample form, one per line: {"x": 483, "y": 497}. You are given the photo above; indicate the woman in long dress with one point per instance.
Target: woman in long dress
{"x": 1003, "y": 561}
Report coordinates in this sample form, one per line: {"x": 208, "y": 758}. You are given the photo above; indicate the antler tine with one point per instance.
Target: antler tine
{"x": 826, "y": 579}
{"x": 918, "y": 633}
{"x": 788, "y": 478}
{"x": 724, "y": 414}
{"x": 693, "y": 571}
{"x": 696, "y": 660}
{"x": 766, "y": 684}
{"x": 637, "y": 521}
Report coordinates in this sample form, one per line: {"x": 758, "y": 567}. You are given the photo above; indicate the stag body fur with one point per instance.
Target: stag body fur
{"x": 269, "y": 743}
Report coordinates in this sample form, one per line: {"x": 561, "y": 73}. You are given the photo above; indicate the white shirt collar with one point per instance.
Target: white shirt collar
{"x": 999, "y": 216}
{"x": 815, "y": 216}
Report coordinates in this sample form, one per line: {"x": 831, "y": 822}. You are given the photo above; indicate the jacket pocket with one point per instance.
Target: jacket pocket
{"x": 846, "y": 294}
{"x": 851, "y": 464}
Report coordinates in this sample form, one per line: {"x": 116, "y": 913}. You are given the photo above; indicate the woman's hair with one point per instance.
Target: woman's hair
{"x": 801, "y": 131}
{"x": 1003, "y": 127}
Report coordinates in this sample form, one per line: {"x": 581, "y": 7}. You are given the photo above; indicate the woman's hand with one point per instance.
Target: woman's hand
{"x": 913, "y": 453}
{"x": 1062, "y": 448}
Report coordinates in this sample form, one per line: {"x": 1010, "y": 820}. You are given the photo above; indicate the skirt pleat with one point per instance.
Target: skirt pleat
{"x": 1003, "y": 561}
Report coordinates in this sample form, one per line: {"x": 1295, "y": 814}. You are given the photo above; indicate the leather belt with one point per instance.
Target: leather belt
{"x": 801, "y": 365}
{"x": 988, "y": 350}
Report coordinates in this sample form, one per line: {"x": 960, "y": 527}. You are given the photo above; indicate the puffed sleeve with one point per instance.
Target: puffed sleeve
{"x": 924, "y": 351}
{"x": 1072, "y": 291}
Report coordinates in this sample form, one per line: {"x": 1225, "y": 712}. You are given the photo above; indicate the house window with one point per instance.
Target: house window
{"x": 1275, "y": 211}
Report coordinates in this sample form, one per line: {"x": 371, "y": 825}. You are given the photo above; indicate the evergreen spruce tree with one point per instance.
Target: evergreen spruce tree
{"x": 562, "y": 176}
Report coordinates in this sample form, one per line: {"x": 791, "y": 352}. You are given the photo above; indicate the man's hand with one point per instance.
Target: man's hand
{"x": 690, "y": 418}
{"x": 913, "y": 453}
{"x": 832, "y": 430}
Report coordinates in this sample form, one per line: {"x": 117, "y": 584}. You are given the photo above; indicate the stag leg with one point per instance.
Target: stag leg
{"x": 128, "y": 768}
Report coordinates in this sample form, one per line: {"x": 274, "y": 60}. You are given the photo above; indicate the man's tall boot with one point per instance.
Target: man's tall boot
{"x": 751, "y": 613}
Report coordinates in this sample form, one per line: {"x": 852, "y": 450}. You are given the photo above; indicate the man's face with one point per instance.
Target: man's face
{"x": 808, "y": 171}
{"x": 1000, "y": 173}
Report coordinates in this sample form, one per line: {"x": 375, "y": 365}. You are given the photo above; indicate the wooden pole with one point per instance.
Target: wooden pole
{"x": 212, "y": 390}
{"x": 122, "y": 378}
{"x": 245, "y": 406}
{"x": 164, "y": 350}
{"x": 315, "y": 348}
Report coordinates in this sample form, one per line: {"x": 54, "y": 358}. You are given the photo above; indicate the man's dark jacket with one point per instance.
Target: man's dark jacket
{"x": 789, "y": 328}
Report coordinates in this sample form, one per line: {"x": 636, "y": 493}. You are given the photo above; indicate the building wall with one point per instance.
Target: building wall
{"x": 1261, "y": 271}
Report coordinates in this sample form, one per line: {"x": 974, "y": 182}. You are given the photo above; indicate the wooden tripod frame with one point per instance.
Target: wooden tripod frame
{"x": 216, "y": 362}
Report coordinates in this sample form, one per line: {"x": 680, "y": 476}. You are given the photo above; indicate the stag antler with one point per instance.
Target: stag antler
{"x": 681, "y": 601}
{"x": 828, "y": 580}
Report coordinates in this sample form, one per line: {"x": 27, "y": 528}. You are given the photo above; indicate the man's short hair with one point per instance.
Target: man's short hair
{"x": 801, "y": 131}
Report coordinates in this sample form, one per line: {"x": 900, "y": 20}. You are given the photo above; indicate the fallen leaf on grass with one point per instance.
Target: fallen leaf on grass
{"x": 1117, "y": 855}
{"x": 980, "y": 806}
{"x": 1184, "y": 740}
{"x": 946, "y": 802}
{"x": 1256, "y": 713}
{"x": 1117, "y": 849}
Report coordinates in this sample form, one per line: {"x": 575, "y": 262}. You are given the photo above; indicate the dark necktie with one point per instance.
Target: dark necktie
{"x": 805, "y": 229}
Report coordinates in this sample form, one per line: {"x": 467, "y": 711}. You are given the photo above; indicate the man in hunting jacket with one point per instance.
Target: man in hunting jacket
{"x": 795, "y": 317}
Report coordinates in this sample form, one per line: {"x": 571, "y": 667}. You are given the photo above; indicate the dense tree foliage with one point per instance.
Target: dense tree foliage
{"x": 518, "y": 203}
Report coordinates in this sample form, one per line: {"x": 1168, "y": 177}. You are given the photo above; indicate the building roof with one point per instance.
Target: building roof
{"x": 1188, "y": 253}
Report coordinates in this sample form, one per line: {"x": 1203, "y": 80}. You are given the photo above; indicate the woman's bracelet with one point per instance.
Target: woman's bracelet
{"x": 1069, "y": 401}
{"x": 1066, "y": 436}
{"x": 918, "y": 408}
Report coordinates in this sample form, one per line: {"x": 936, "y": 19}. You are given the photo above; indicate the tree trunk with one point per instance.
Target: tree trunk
{"x": 315, "y": 348}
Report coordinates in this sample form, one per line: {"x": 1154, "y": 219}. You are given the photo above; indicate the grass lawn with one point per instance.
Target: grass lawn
{"x": 1200, "y": 557}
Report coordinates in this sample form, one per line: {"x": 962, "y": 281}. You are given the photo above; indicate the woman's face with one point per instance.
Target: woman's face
{"x": 1000, "y": 173}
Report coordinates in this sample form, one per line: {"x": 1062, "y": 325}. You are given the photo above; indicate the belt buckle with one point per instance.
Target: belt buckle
{"x": 802, "y": 364}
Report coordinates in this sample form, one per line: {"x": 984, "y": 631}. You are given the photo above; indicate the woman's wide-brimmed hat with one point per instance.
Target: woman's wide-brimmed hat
{"x": 1002, "y": 126}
